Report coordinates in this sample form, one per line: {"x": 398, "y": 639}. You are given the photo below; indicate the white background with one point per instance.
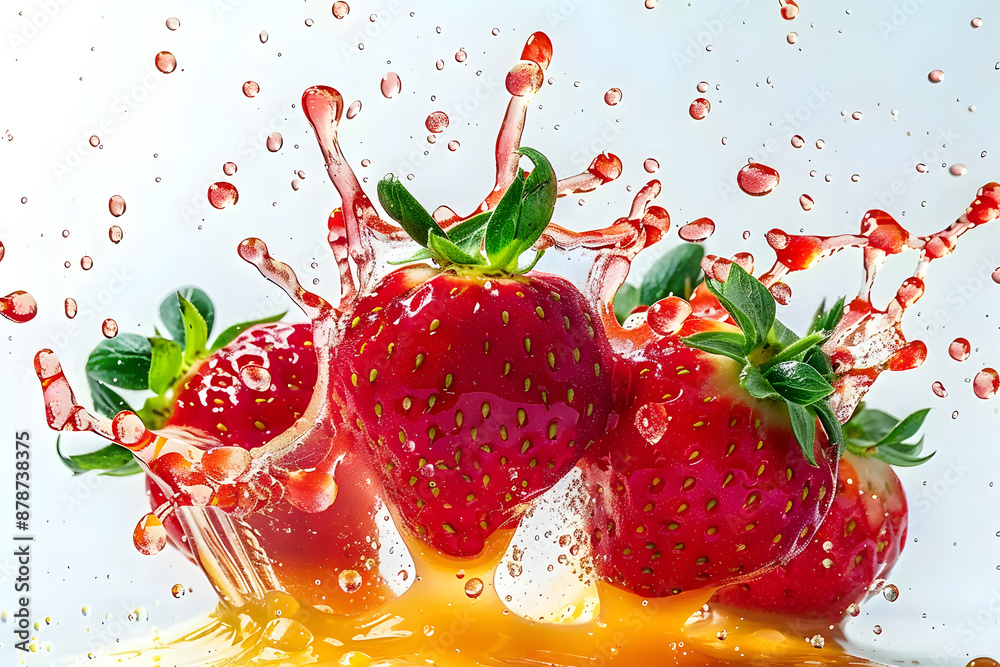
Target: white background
{"x": 70, "y": 69}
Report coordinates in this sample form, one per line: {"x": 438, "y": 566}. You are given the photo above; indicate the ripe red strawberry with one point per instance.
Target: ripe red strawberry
{"x": 857, "y": 544}
{"x": 708, "y": 480}
{"x": 477, "y": 387}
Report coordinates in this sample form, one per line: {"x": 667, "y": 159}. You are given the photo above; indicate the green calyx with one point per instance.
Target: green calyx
{"x": 777, "y": 364}
{"x": 873, "y": 433}
{"x": 491, "y": 242}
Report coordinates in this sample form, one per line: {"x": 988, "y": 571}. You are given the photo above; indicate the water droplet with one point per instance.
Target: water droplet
{"x": 116, "y": 205}
{"x": 296, "y": 184}
{"x": 461, "y": 55}
{"x": 439, "y": 64}
{"x": 650, "y": 4}
{"x": 353, "y": 109}
{"x": 939, "y": 390}
{"x": 274, "y": 142}
{"x": 857, "y": 115}
{"x": 986, "y": 383}
{"x": 958, "y": 170}
{"x": 86, "y": 262}
{"x": 806, "y": 202}
{"x": 781, "y": 292}
{"x": 429, "y": 630}
{"x": 365, "y": 162}
{"x": 116, "y": 234}
{"x": 792, "y": 37}
{"x": 69, "y": 307}
{"x": 817, "y": 641}
{"x": 95, "y": 141}
{"x": 474, "y": 587}
{"x": 921, "y": 168}
{"x": 222, "y": 194}
{"x": 721, "y": 635}
{"x": 746, "y": 234}
{"x": 650, "y": 165}
{"x": 697, "y": 231}
{"x": 495, "y": 32}
{"x": 436, "y": 122}
{"x": 350, "y": 581}
{"x": 877, "y": 629}
{"x": 251, "y": 88}
{"x": 702, "y": 87}
{"x": 18, "y": 306}
{"x": 820, "y": 144}
{"x": 453, "y": 145}
{"x": 798, "y": 141}
{"x": 936, "y": 76}
{"x": 613, "y": 96}
{"x": 256, "y": 378}
{"x": 959, "y": 349}
{"x": 165, "y": 62}
{"x": 524, "y": 78}
{"x": 954, "y": 415}
{"x": 229, "y": 168}
{"x": 699, "y": 108}
{"x": 853, "y": 609}
{"x": 391, "y": 85}
{"x": 976, "y": 22}
{"x": 109, "y": 328}
{"x": 757, "y": 179}
{"x": 177, "y": 590}
{"x": 341, "y": 9}
{"x": 890, "y": 592}
{"x": 263, "y": 37}
{"x": 789, "y": 10}
{"x": 309, "y": 23}
{"x": 173, "y": 23}
{"x": 514, "y": 569}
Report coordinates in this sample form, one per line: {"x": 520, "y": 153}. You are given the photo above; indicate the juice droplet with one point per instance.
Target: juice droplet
{"x": 959, "y": 349}
{"x": 18, "y": 306}
{"x": 820, "y": 144}
{"x": 650, "y": 4}
{"x": 341, "y": 9}
{"x": 69, "y": 306}
{"x": 391, "y": 85}
{"x": 177, "y": 590}
{"x": 757, "y": 179}
{"x": 958, "y": 170}
{"x": 350, "y": 581}
{"x": 436, "y": 122}
{"x": 461, "y": 55}
{"x": 173, "y": 23}
{"x": 95, "y": 141}
{"x": 116, "y": 205}
{"x": 650, "y": 165}
{"x": 976, "y": 22}
{"x": 877, "y": 629}
{"x": 697, "y": 231}
{"x": 309, "y": 23}
{"x": 936, "y": 76}
{"x": 699, "y": 108}
{"x": 251, "y": 88}
{"x": 781, "y": 292}
{"x": 939, "y": 390}
{"x": 296, "y": 184}
{"x": 798, "y": 141}
{"x": 109, "y": 328}
{"x": 165, "y": 62}
{"x": 995, "y": 275}
{"x": 256, "y": 377}
{"x": 818, "y": 641}
{"x": 789, "y": 10}
{"x": 921, "y": 168}
{"x": 274, "y": 142}
{"x": 116, "y": 234}
{"x": 149, "y": 535}
{"x": 474, "y": 587}
{"x": 86, "y": 262}
{"x": 453, "y": 145}
{"x": 263, "y": 36}
{"x": 495, "y": 32}
{"x": 354, "y": 109}
{"x": 613, "y": 96}
{"x": 222, "y": 194}
{"x": 806, "y": 202}
{"x": 890, "y": 592}
{"x": 703, "y": 87}
{"x": 792, "y": 37}
{"x": 667, "y": 315}
{"x": 524, "y": 78}
{"x": 857, "y": 115}
{"x": 983, "y": 662}
{"x": 986, "y": 383}
{"x": 229, "y": 168}
{"x": 439, "y": 64}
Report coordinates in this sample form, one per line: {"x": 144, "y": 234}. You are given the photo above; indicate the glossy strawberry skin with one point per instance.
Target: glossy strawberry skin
{"x": 859, "y": 542}
{"x": 704, "y": 485}
{"x": 476, "y": 394}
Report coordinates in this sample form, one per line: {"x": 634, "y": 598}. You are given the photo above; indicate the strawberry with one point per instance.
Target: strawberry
{"x": 716, "y": 470}
{"x": 476, "y": 384}
{"x": 861, "y": 537}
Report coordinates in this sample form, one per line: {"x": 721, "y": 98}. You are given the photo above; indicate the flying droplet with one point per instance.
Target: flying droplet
{"x": 18, "y": 306}
{"x": 857, "y": 115}
{"x": 789, "y": 10}
{"x": 703, "y": 87}
{"x": 263, "y": 37}
{"x": 958, "y": 170}
{"x": 921, "y": 168}
{"x": 354, "y": 109}
{"x": 116, "y": 205}
{"x": 936, "y": 76}
{"x": 820, "y": 144}
{"x": 877, "y": 629}
{"x": 296, "y": 184}
{"x": 697, "y": 231}
{"x": 70, "y": 307}
{"x": 798, "y": 142}
{"x": 274, "y": 142}
{"x": 436, "y": 122}
{"x": 222, "y": 194}
{"x": 817, "y": 641}
{"x": 939, "y": 390}
{"x": 806, "y": 202}
{"x": 251, "y": 88}
{"x": 524, "y": 78}
{"x": 173, "y": 23}
{"x": 699, "y": 108}
{"x": 391, "y": 85}
{"x": 613, "y": 96}
{"x": 890, "y": 592}
{"x": 149, "y": 535}
{"x": 757, "y": 179}
{"x": 229, "y": 168}
{"x": 453, "y": 145}
{"x": 165, "y": 62}
{"x": 986, "y": 383}
{"x": 959, "y": 349}
{"x": 309, "y": 23}
{"x": 116, "y": 234}
{"x": 86, "y": 263}
{"x": 95, "y": 141}
{"x": 474, "y": 587}
{"x": 109, "y": 328}
{"x": 177, "y": 590}
{"x": 650, "y": 4}
{"x": 350, "y": 581}
{"x": 461, "y": 55}
{"x": 976, "y": 22}
{"x": 792, "y": 37}
{"x": 495, "y": 32}
{"x": 341, "y": 9}
{"x": 439, "y": 64}
{"x": 650, "y": 165}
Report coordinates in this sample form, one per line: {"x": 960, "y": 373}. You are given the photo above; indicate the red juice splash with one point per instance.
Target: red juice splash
{"x": 18, "y": 306}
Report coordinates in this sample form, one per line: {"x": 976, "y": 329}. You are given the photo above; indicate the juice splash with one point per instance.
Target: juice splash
{"x": 217, "y": 492}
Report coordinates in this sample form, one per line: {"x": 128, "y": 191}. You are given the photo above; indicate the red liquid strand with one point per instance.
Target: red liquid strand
{"x": 19, "y": 307}
{"x": 699, "y": 108}
{"x": 959, "y": 349}
{"x": 117, "y": 206}
{"x": 986, "y": 383}
{"x": 165, "y": 62}
{"x": 222, "y": 195}
{"x": 757, "y": 179}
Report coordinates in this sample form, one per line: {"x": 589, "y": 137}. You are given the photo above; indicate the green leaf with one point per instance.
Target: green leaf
{"x": 804, "y": 427}
{"x": 107, "y": 403}
{"x": 904, "y": 456}
{"x": 156, "y": 411}
{"x": 626, "y": 300}
{"x": 798, "y": 382}
{"x": 227, "y": 336}
{"x": 830, "y": 423}
{"x": 905, "y": 429}
{"x": 502, "y": 226}
{"x": 816, "y": 358}
{"x": 828, "y": 320}
{"x": 165, "y": 364}
{"x": 468, "y": 234}
{"x": 538, "y": 200}
{"x": 869, "y": 425}
{"x": 529, "y": 267}
{"x": 755, "y": 384}
{"x": 793, "y": 351}
{"x": 676, "y": 273}
{"x": 195, "y": 330}
{"x": 122, "y": 362}
{"x": 403, "y": 207}
{"x": 170, "y": 311}
{"x": 727, "y": 343}
{"x": 748, "y": 301}
{"x": 111, "y": 460}
{"x": 449, "y": 253}
{"x": 780, "y": 336}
